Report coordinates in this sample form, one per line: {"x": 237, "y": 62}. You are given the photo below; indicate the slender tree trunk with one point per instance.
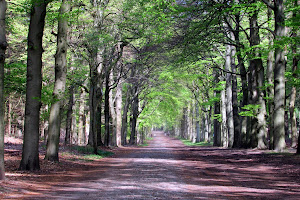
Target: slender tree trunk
{"x": 81, "y": 121}
{"x": 235, "y": 109}
{"x": 294, "y": 91}
{"x": 113, "y": 115}
{"x": 119, "y": 114}
{"x": 9, "y": 106}
{"x": 30, "y": 153}
{"x": 59, "y": 85}
{"x": 197, "y": 123}
{"x": 99, "y": 122}
{"x": 217, "y": 112}
{"x": 224, "y": 131}
{"x": 240, "y": 136}
{"x": 124, "y": 117}
{"x": 69, "y": 115}
{"x": 106, "y": 110}
{"x": 279, "y": 78}
{"x": 135, "y": 110}
{"x": 270, "y": 88}
{"x": 183, "y": 125}
{"x": 3, "y": 46}
{"x": 206, "y": 125}
{"x": 229, "y": 108}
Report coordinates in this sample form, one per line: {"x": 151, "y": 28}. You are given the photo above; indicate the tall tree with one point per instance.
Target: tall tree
{"x": 295, "y": 69}
{"x": 30, "y": 153}
{"x": 279, "y": 77}
{"x": 60, "y": 83}
{"x": 3, "y": 46}
{"x": 258, "y": 132}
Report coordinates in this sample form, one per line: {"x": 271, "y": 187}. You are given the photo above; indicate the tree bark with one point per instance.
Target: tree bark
{"x": 81, "y": 121}
{"x": 279, "y": 78}
{"x": 294, "y": 90}
{"x": 124, "y": 117}
{"x": 118, "y": 114}
{"x": 106, "y": 109}
{"x": 240, "y": 136}
{"x": 135, "y": 112}
{"x": 112, "y": 114}
{"x": 258, "y": 135}
{"x": 60, "y": 83}
{"x": 3, "y": 46}
{"x": 69, "y": 115}
{"x": 30, "y": 153}
{"x": 197, "y": 123}
{"x": 270, "y": 88}
{"x": 229, "y": 108}
{"x": 217, "y": 112}
{"x": 224, "y": 131}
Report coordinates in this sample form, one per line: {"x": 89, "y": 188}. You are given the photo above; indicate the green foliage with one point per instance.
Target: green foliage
{"x": 15, "y": 78}
{"x": 202, "y": 144}
{"x": 250, "y": 110}
{"x": 217, "y": 117}
{"x": 90, "y": 150}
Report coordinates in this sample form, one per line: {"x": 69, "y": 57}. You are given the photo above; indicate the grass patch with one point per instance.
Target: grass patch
{"x": 202, "y": 144}
{"x": 86, "y": 153}
{"x": 145, "y": 142}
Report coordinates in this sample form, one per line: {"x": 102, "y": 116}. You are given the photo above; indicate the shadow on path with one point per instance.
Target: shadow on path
{"x": 167, "y": 169}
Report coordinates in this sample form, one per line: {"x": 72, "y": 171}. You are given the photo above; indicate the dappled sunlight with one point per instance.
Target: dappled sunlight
{"x": 167, "y": 169}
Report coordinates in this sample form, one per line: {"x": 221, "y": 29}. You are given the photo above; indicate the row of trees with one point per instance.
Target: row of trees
{"x": 249, "y": 50}
{"x": 222, "y": 71}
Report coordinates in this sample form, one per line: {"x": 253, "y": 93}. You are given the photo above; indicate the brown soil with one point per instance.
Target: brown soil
{"x": 166, "y": 169}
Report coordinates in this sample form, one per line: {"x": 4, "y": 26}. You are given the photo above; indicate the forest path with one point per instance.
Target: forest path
{"x": 167, "y": 169}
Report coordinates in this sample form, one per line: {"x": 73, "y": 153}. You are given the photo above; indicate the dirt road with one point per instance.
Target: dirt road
{"x": 166, "y": 169}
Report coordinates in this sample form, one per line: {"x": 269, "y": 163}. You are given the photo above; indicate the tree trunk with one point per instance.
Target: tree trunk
{"x": 69, "y": 115}
{"x": 240, "y": 136}
{"x": 30, "y": 153}
{"x": 106, "y": 110}
{"x": 124, "y": 117}
{"x": 81, "y": 121}
{"x": 270, "y": 88}
{"x": 224, "y": 131}
{"x": 197, "y": 123}
{"x": 119, "y": 114}
{"x": 229, "y": 108}
{"x": 279, "y": 78}
{"x": 235, "y": 109}
{"x": 258, "y": 135}
{"x": 217, "y": 112}
{"x": 135, "y": 112}
{"x": 59, "y": 85}
{"x": 294, "y": 91}
{"x": 3, "y": 46}
{"x": 112, "y": 114}
{"x": 8, "y": 125}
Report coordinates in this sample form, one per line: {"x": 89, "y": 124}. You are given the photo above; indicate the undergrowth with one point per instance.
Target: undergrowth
{"x": 87, "y": 153}
{"x": 203, "y": 144}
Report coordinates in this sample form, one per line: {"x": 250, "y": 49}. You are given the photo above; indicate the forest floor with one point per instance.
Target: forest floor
{"x": 165, "y": 169}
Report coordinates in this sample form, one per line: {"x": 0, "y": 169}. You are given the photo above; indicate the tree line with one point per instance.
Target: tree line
{"x": 105, "y": 72}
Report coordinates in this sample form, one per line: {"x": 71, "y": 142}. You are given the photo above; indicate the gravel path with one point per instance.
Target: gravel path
{"x": 166, "y": 169}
